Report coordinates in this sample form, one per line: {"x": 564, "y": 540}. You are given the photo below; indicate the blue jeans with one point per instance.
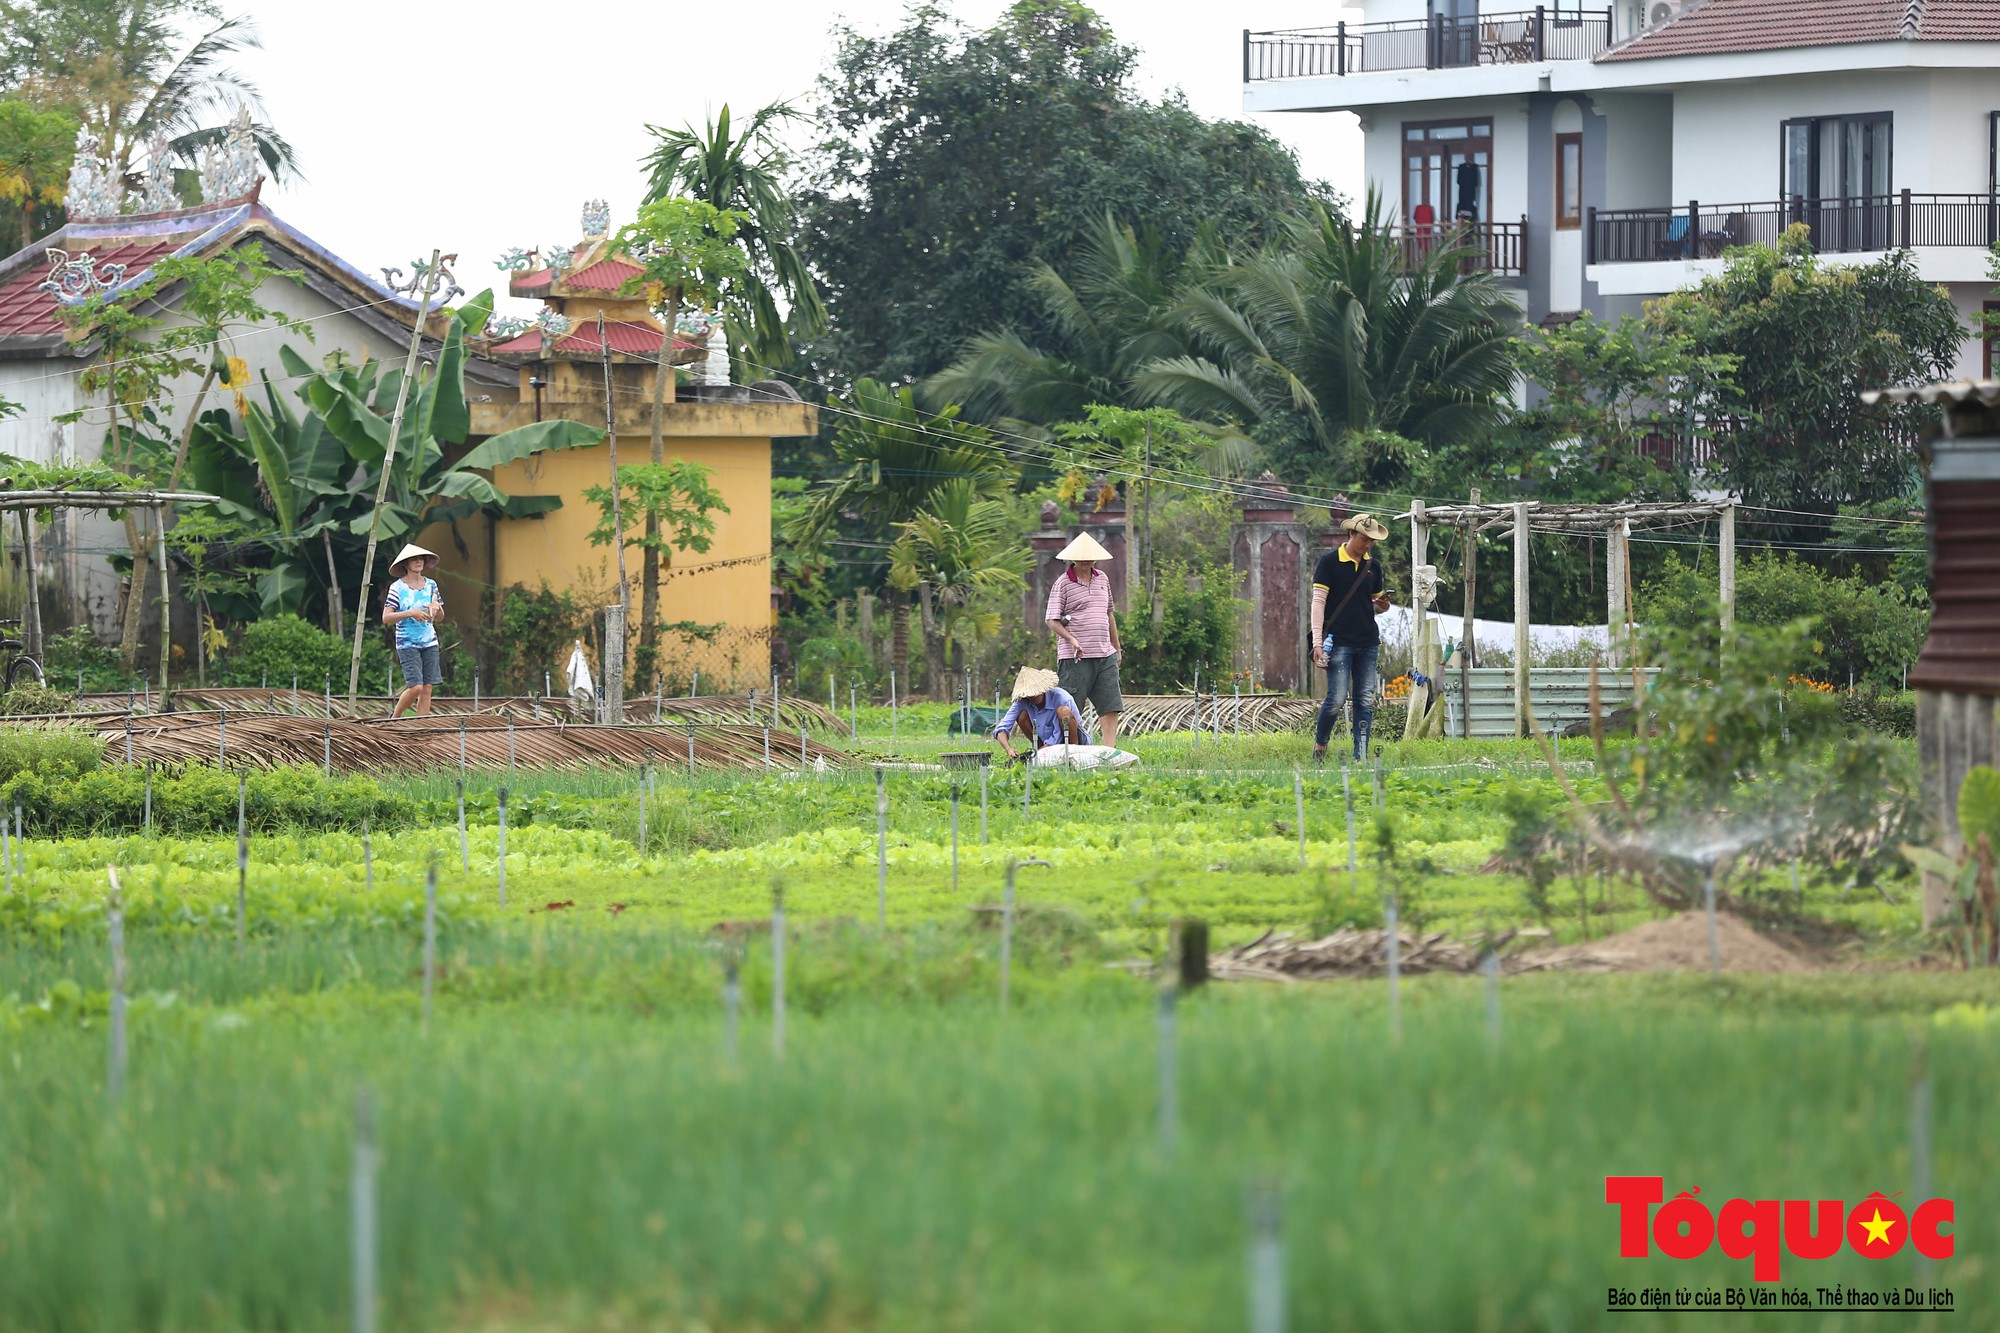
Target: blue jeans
{"x": 1345, "y": 664}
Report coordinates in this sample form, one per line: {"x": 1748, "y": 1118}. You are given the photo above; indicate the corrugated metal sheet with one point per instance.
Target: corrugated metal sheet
{"x": 1961, "y": 654}
{"x": 1560, "y": 695}
{"x": 1953, "y": 391}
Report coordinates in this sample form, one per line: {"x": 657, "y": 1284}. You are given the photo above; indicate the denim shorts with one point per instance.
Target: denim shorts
{"x": 420, "y": 665}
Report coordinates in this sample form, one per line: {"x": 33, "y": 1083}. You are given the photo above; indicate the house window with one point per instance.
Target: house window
{"x": 1569, "y": 182}
{"x": 1835, "y": 175}
{"x": 1447, "y": 169}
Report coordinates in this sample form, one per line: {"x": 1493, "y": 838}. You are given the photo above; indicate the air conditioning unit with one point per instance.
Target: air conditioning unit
{"x": 1660, "y": 11}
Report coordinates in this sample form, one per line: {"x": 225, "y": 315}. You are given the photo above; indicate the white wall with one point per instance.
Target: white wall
{"x": 1726, "y": 136}
{"x": 1639, "y": 149}
{"x": 1970, "y": 298}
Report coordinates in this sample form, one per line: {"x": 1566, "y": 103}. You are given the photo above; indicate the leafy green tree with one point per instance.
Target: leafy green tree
{"x": 745, "y": 174}
{"x": 130, "y": 67}
{"x": 36, "y": 148}
{"x": 957, "y": 551}
{"x": 1381, "y": 355}
{"x": 894, "y": 459}
{"x": 1807, "y": 337}
{"x": 951, "y": 158}
{"x": 677, "y": 500}
{"x": 688, "y": 249}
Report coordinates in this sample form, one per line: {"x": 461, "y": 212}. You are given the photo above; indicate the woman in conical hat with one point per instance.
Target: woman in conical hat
{"x": 1081, "y": 616}
{"x": 413, "y": 606}
{"x": 1042, "y": 711}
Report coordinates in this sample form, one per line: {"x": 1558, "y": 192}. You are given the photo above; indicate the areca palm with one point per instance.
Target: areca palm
{"x": 1359, "y": 335}
{"x": 127, "y": 69}
{"x": 1113, "y": 320}
{"x": 745, "y": 173}
{"x": 956, "y": 551}
{"x": 895, "y": 460}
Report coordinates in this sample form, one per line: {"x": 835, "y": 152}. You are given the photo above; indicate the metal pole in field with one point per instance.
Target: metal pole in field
{"x": 778, "y": 970}
{"x": 464, "y": 852}
{"x": 642, "y": 810}
{"x": 128, "y": 737}
{"x": 362, "y": 1211}
{"x": 1007, "y": 928}
{"x": 767, "y": 749}
{"x": 1381, "y": 791}
{"x": 832, "y": 703}
{"x": 1028, "y": 778}
{"x": 149, "y": 799}
{"x": 1299, "y": 800}
{"x": 1238, "y": 687}
{"x": 802, "y": 743}
{"x": 7, "y": 849}
{"x": 20, "y": 840}
{"x": 295, "y": 691}
{"x": 984, "y": 771}
{"x": 1347, "y": 791}
{"x": 430, "y": 937}
{"x": 1170, "y": 1078}
{"x": 853, "y": 716}
{"x": 114, "y": 1079}
{"x": 510, "y": 748}
{"x": 222, "y": 734}
{"x": 461, "y": 746}
{"x": 881, "y": 849}
{"x": 1392, "y": 945}
{"x": 694, "y": 685}
{"x": 1197, "y": 717}
{"x": 367, "y": 855}
{"x": 659, "y": 696}
{"x": 732, "y": 1002}
{"x": 954, "y": 837}
{"x": 892, "y": 703}
{"x": 475, "y": 689}
{"x": 326, "y": 740}
{"x": 242, "y": 858}
{"x": 1708, "y": 906}
{"x": 690, "y": 747}
{"x": 1266, "y": 1260}
{"x": 774, "y": 698}
{"x": 503, "y": 846}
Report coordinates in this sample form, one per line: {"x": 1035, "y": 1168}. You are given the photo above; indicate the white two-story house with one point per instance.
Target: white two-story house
{"x": 1607, "y": 155}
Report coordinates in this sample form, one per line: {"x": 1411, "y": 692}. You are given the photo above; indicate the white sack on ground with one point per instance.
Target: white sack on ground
{"x": 1083, "y": 756}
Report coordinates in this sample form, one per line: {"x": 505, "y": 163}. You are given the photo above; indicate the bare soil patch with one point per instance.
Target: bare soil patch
{"x": 1676, "y": 944}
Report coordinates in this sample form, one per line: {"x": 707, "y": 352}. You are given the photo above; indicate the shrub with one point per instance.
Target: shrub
{"x": 1891, "y": 712}
{"x": 1197, "y": 630}
{"x": 33, "y": 700}
{"x": 536, "y": 629}
{"x": 76, "y": 649}
{"x": 270, "y": 651}
{"x": 59, "y": 754}
{"x": 197, "y": 798}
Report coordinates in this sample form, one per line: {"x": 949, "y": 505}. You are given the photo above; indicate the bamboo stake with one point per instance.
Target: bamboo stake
{"x": 381, "y": 489}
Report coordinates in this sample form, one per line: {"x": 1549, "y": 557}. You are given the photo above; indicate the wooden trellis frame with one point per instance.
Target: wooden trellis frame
{"x": 1617, "y": 522}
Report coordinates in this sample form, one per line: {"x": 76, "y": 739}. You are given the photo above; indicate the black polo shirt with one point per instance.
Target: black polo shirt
{"x": 1355, "y": 626}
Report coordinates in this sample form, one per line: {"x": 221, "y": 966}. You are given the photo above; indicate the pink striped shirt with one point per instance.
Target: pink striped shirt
{"x": 1088, "y": 605}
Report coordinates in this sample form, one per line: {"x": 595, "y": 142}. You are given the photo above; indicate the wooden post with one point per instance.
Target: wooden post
{"x": 166, "y": 606}
{"x": 1192, "y": 953}
{"x": 1727, "y": 565}
{"x": 1471, "y": 557}
{"x": 1520, "y": 618}
{"x": 31, "y": 606}
{"x": 614, "y": 663}
{"x": 381, "y": 496}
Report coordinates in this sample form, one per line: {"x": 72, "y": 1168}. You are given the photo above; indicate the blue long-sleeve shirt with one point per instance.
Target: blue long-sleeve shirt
{"x": 1043, "y": 719}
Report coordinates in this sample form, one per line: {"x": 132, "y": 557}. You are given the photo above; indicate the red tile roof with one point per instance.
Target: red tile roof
{"x": 1728, "y": 26}
{"x": 26, "y": 309}
{"x": 606, "y": 275}
{"x": 627, "y": 338}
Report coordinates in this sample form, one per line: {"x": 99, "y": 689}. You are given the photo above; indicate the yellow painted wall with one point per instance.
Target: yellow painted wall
{"x": 556, "y": 548}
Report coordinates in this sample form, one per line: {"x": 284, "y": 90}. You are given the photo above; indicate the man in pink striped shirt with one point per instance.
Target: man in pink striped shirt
{"x": 1084, "y": 622}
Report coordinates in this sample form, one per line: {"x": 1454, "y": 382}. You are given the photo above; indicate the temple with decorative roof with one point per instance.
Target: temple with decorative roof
{"x": 522, "y": 372}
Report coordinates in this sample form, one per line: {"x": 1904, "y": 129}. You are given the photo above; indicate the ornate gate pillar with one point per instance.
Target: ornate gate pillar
{"x": 1274, "y": 577}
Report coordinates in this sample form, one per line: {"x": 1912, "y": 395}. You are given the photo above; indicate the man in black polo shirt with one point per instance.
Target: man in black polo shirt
{"x": 1349, "y": 591}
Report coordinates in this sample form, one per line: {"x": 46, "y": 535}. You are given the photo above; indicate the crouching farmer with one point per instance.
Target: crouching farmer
{"x": 1042, "y": 712}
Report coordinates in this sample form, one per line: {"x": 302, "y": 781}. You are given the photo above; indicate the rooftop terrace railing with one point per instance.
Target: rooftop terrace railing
{"x": 1525, "y": 37}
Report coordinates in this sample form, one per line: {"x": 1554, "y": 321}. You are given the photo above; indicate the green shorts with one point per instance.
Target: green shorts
{"x": 1093, "y": 681}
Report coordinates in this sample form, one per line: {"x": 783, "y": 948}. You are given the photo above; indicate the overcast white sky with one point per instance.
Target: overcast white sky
{"x": 479, "y": 126}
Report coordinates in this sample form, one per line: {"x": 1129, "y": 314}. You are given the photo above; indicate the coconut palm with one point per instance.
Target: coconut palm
{"x": 745, "y": 173}
{"x": 951, "y": 555}
{"x": 126, "y": 69}
{"x": 1114, "y": 319}
{"x": 1350, "y": 330}
{"x": 895, "y": 460}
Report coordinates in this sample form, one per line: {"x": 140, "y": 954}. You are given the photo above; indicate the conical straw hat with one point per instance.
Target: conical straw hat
{"x": 403, "y": 558}
{"x": 1033, "y": 681}
{"x": 1085, "y": 547}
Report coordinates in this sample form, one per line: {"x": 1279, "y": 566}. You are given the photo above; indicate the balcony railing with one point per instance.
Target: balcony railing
{"x": 1527, "y": 37}
{"x": 1837, "y": 226}
{"x": 1499, "y": 248}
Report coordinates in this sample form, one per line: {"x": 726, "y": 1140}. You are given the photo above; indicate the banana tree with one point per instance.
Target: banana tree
{"x": 427, "y": 485}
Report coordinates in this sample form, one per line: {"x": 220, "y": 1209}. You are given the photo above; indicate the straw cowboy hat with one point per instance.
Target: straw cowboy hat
{"x": 1367, "y": 525}
{"x": 1033, "y": 681}
{"x": 1085, "y": 547}
{"x": 404, "y": 557}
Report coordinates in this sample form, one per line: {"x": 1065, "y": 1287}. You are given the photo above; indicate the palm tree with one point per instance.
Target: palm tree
{"x": 895, "y": 461}
{"x": 1112, "y": 321}
{"x": 745, "y": 172}
{"x": 957, "y": 550}
{"x": 126, "y": 70}
{"x": 1351, "y": 331}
